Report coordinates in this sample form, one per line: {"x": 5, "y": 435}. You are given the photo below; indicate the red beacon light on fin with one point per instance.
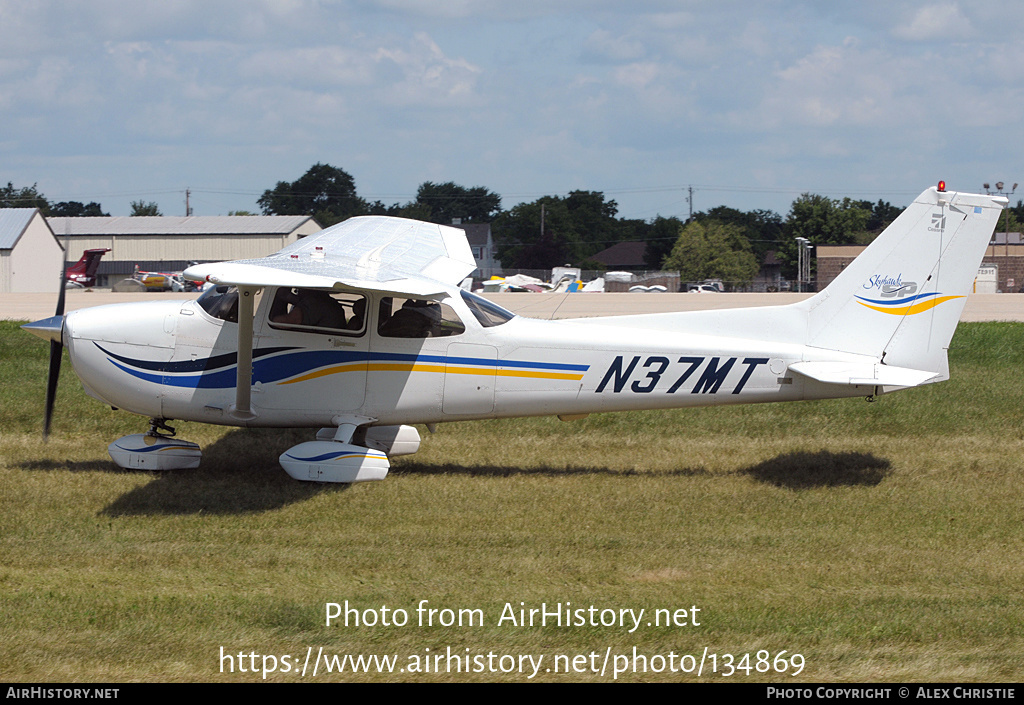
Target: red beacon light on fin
{"x": 942, "y": 186}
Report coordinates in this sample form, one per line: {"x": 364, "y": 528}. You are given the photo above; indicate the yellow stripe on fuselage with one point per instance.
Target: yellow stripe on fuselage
{"x": 413, "y": 367}
{"x": 351, "y": 367}
{"x": 913, "y": 308}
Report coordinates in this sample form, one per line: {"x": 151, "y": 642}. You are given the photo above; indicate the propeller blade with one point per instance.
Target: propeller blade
{"x": 56, "y": 345}
{"x": 63, "y": 275}
{"x": 60, "y": 296}
{"x": 56, "y": 354}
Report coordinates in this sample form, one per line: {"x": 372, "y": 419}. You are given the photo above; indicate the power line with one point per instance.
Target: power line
{"x": 687, "y": 190}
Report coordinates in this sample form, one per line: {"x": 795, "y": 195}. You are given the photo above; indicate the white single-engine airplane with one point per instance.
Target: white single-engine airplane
{"x": 362, "y": 330}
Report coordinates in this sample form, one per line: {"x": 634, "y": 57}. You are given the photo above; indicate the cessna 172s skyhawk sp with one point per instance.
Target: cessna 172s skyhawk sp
{"x": 361, "y": 329}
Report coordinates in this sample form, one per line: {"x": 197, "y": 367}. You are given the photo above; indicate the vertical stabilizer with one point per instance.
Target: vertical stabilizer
{"x": 901, "y": 299}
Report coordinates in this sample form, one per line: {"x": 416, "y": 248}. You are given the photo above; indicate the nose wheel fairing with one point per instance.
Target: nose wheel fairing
{"x": 144, "y": 451}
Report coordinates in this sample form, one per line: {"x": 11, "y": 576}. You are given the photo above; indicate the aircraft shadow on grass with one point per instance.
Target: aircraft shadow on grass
{"x": 71, "y": 466}
{"x": 795, "y": 471}
{"x": 804, "y": 470}
{"x": 223, "y": 485}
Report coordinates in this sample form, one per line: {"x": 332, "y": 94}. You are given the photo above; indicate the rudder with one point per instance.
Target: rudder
{"x": 901, "y": 299}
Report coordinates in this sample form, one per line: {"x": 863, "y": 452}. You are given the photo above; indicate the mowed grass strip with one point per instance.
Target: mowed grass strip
{"x": 880, "y": 541}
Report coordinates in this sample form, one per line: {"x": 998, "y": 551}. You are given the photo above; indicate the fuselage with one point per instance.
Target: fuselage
{"x": 177, "y": 360}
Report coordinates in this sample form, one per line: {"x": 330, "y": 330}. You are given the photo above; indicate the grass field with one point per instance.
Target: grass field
{"x": 880, "y": 542}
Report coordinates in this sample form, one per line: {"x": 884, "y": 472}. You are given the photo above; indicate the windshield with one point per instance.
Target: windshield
{"x": 488, "y": 313}
{"x": 221, "y": 302}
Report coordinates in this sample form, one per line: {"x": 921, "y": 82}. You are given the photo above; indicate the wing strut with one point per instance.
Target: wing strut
{"x": 243, "y": 381}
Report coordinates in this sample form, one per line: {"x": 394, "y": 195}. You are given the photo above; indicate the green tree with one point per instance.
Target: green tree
{"x": 576, "y": 227}
{"x": 822, "y": 221}
{"x": 324, "y": 192}
{"x": 882, "y": 214}
{"x": 448, "y": 201}
{"x": 1017, "y": 210}
{"x": 522, "y": 244}
{"x": 415, "y": 211}
{"x": 380, "y": 208}
{"x": 593, "y": 219}
{"x": 75, "y": 209}
{"x": 661, "y": 236}
{"x": 143, "y": 208}
{"x": 763, "y": 228}
{"x": 1009, "y": 222}
{"x": 26, "y": 197}
{"x": 712, "y": 250}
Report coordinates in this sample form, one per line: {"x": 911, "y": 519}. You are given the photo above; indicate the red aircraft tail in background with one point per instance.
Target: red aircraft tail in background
{"x": 83, "y": 272}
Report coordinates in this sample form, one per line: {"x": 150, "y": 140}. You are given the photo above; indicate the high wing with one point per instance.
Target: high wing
{"x": 393, "y": 256}
{"x": 377, "y": 253}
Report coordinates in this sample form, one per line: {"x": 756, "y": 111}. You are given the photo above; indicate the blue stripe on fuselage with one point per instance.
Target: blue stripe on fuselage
{"x": 276, "y": 364}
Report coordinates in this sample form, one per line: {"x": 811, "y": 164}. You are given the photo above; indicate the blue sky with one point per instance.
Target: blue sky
{"x": 750, "y": 103}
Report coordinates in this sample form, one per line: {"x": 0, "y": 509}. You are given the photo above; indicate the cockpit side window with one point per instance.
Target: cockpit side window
{"x": 319, "y": 311}
{"x": 417, "y": 318}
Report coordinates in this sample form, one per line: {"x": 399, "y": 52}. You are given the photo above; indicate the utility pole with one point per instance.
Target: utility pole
{"x": 803, "y": 263}
{"x": 690, "y": 200}
{"x": 999, "y": 191}
{"x": 188, "y": 208}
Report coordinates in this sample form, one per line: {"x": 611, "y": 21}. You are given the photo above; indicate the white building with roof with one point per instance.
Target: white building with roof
{"x": 31, "y": 258}
{"x": 168, "y": 243}
{"x": 481, "y": 243}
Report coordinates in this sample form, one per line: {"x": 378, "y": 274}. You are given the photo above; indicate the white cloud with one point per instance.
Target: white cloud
{"x": 602, "y": 44}
{"x": 637, "y": 76}
{"x": 246, "y": 92}
{"x": 942, "y": 20}
{"x": 842, "y": 86}
{"x": 428, "y": 75}
{"x": 323, "y": 66}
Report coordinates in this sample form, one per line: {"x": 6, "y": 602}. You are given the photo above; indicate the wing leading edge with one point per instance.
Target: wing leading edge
{"x": 378, "y": 253}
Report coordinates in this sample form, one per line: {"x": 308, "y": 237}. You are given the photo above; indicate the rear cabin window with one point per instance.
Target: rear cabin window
{"x": 319, "y": 311}
{"x": 417, "y": 318}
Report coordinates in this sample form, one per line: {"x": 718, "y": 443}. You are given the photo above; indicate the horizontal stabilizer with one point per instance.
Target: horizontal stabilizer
{"x": 863, "y": 374}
